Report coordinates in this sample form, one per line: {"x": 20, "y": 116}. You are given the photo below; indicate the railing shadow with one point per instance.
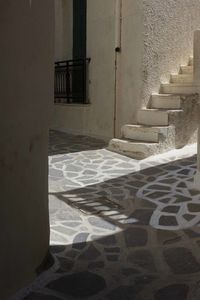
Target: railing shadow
{"x": 118, "y": 250}
{"x": 167, "y": 187}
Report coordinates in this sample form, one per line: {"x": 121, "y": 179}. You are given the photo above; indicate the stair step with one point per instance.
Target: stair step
{"x": 143, "y": 133}
{"x": 181, "y": 78}
{"x": 177, "y": 88}
{"x": 186, "y": 69}
{"x": 153, "y": 117}
{"x": 165, "y": 101}
{"x": 191, "y": 61}
{"x": 135, "y": 149}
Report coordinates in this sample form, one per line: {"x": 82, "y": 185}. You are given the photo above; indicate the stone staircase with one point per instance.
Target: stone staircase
{"x": 169, "y": 121}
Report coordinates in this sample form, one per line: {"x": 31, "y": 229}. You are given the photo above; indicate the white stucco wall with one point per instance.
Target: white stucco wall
{"x": 97, "y": 118}
{"x": 130, "y": 63}
{"x": 156, "y": 38}
{"x": 63, "y": 29}
{"x": 26, "y": 93}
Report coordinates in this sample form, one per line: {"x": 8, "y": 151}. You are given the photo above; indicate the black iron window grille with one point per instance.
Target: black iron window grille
{"x": 71, "y": 81}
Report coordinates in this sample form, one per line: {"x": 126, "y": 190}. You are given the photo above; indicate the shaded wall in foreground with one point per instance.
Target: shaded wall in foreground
{"x": 26, "y": 94}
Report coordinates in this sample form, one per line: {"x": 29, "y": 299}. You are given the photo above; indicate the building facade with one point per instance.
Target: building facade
{"x": 134, "y": 46}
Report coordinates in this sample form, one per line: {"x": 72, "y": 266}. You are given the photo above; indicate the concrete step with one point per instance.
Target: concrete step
{"x": 178, "y": 88}
{"x": 134, "y": 149}
{"x": 165, "y": 101}
{"x": 181, "y": 78}
{"x": 191, "y": 61}
{"x": 153, "y": 117}
{"x": 186, "y": 69}
{"x": 144, "y": 133}
{"x": 164, "y": 137}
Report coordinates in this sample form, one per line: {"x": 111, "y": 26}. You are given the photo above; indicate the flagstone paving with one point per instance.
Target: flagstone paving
{"x": 120, "y": 228}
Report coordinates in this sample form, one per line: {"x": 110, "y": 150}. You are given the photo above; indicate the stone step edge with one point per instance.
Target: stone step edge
{"x": 141, "y": 151}
{"x": 167, "y": 110}
{"x": 133, "y": 142}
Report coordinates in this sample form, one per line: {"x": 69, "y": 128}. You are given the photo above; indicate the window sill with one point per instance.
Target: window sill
{"x": 73, "y": 104}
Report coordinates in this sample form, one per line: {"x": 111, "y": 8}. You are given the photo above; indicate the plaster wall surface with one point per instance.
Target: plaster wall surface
{"x": 197, "y": 175}
{"x": 168, "y": 40}
{"x": 63, "y": 29}
{"x": 26, "y": 93}
{"x": 97, "y": 118}
{"x": 130, "y": 63}
{"x": 156, "y": 38}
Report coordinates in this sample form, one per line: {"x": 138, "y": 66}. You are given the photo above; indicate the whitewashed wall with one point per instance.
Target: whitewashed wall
{"x": 156, "y": 37}
{"x": 97, "y": 118}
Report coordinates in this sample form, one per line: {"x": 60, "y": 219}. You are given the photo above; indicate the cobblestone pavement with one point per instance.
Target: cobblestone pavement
{"x": 121, "y": 228}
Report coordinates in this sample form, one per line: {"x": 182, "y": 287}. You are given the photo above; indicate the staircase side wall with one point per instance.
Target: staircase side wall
{"x": 157, "y": 37}
{"x": 168, "y": 40}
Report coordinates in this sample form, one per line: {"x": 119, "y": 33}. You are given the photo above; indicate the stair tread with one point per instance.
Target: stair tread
{"x": 146, "y": 126}
{"x": 161, "y": 110}
{"x": 186, "y": 66}
{"x": 165, "y": 95}
{"x": 134, "y": 141}
{"x": 179, "y": 84}
{"x": 182, "y": 75}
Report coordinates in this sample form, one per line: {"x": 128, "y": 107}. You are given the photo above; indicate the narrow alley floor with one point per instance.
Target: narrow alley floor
{"x": 120, "y": 228}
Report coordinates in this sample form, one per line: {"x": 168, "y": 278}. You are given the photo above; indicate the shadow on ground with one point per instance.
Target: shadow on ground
{"x": 122, "y": 236}
{"x": 60, "y": 143}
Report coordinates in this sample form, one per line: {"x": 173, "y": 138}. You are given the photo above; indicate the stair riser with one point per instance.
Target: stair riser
{"x": 153, "y": 118}
{"x": 181, "y": 79}
{"x": 165, "y": 102}
{"x": 187, "y": 70}
{"x": 191, "y": 61}
{"x": 143, "y": 150}
{"x": 132, "y": 150}
{"x": 170, "y": 89}
{"x": 140, "y": 135}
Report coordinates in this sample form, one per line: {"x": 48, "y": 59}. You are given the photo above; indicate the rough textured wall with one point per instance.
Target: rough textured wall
{"x": 168, "y": 39}
{"x": 157, "y": 37}
{"x": 63, "y": 29}
{"x": 26, "y": 93}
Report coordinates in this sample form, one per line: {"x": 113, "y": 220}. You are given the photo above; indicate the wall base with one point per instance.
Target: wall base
{"x": 196, "y": 184}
